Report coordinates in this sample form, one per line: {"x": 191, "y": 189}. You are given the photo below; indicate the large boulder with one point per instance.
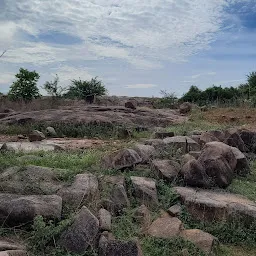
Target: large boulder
{"x": 208, "y": 205}
{"x": 194, "y": 174}
{"x": 30, "y": 180}
{"x": 124, "y": 158}
{"x": 201, "y": 239}
{"x": 249, "y": 139}
{"x": 120, "y": 248}
{"x": 219, "y": 163}
{"x": 185, "y": 143}
{"x": 145, "y": 190}
{"x": 81, "y": 234}
{"x": 146, "y": 152}
{"x": 132, "y": 104}
{"x": 166, "y": 169}
{"x": 233, "y": 139}
{"x": 185, "y": 108}
{"x": 36, "y": 136}
{"x": 207, "y": 137}
{"x": 242, "y": 166}
{"x": 20, "y": 209}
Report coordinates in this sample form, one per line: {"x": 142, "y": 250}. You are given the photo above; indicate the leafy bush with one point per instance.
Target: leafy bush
{"x": 168, "y": 100}
{"x": 25, "y": 87}
{"x": 53, "y": 89}
{"x": 86, "y": 90}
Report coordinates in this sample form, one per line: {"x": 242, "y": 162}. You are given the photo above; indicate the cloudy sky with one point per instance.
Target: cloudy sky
{"x": 137, "y": 47}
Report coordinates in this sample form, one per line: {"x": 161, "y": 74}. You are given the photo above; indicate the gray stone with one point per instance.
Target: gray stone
{"x": 162, "y": 134}
{"x": 145, "y": 190}
{"x": 120, "y": 248}
{"x": 166, "y": 169}
{"x": 50, "y": 131}
{"x": 184, "y": 142}
{"x": 146, "y": 152}
{"x": 233, "y": 139}
{"x": 85, "y": 188}
{"x": 185, "y": 108}
{"x": 143, "y": 216}
{"x": 175, "y": 210}
{"x": 19, "y": 209}
{"x": 7, "y": 244}
{"x": 195, "y": 154}
{"x": 81, "y": 234}
{"x": 36, "y": 136}
{"x": 14, "y": 253}
{"x": 105, "y": 220}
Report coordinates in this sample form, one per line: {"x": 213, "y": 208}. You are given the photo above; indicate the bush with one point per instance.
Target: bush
{"x": 25, "y": 87}
{"x": 53, "y": 89}
{"x": 86, "y": 90}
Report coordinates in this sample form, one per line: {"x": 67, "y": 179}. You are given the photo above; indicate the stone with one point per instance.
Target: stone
{"x": 208, "y": 205}
{"x": 175, "y": 210}
{"x": 219, "y": 162}
{"x": 201, "y": 239}
{"x": 143, "y": 216}
{"x": 146, "y": 152}
{"x": 36, "y": 136}
{"x": 85, "y": 188}
{"x": 233, "y": 139}
{"x": 112, "y": 180}
{"x": 50, "y": 131}
{"x": 20, "y": 209}
{"x": 30, "y": 180}
{"x": 124, "y": 158}
{"x": 249, "y": 139}
{"x": 82, "y": 233}
{"x": 131, "y": 104}
{"x": 162, "y": 135}
{"x": 120, "y": 248}
{"x": 14, "y": 253}
{"x": 104, "y": 220}
{"x": 195, "y": 138}
{"x": 220, "y": 135}
{"x": 186, "y": 158}
{"x": 165, "y": 227}
{"x": 145, "y": 191}
{"x": 194, "y": 174}
{"x": 6, "y": 245}
{"x": 195, "y": 154}
{"x": 207, "y": 137}
{"x": 242, "y": 167}
{"x": 157, "y": 143}
{"x": 185, "y": 108}
{"x": 183, "y": 142}
{"x": 166, "y": 169}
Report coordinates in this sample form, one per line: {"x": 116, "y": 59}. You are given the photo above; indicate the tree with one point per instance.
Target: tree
{"x": 86, "y": 90}
{"x": 25, "y": 87}
{"x": 251, "y": 81}
{"x": 53, "y": 89}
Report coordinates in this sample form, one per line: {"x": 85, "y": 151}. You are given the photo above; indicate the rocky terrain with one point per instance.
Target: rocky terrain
{"x": 165, "y": 194}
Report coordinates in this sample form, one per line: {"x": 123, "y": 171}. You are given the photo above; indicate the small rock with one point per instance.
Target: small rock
{"x": 201, "y": 239}
{"x": 14, "y": 253}
{"x": 81, "y": 234}
{"x": 166, "y": 169}
{"x": 143, "y": 216}
{"x": 145, "y": 190}
{"x": 36, "y": 136}
{"x": 131, "y": 104}
{"x": 242, "y": 167}
{"x": 50, "y": 131}
{"x": 185, "y": 108}
{"x": 195, "y": 154}
{"x": 175, "y": 210}
{"x": 124, "y": 158}
{"x": 22, "y": 137}
{"x": 165, "y": 227}
{"x": 6, "y": 245}
{"x": 207, "y": 137}
{"x": 157, "y": 143}
{"x": 233, "y": 139}
{"x": 105, "y": 220}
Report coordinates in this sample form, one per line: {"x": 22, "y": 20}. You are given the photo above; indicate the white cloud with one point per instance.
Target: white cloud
{"x": 211, "y": 73}
{"x": 196, "y": 76}
{"x": 140, "y": 86}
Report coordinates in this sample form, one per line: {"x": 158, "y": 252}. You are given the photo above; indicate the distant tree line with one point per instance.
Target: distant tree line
{"x": 219, "y": 94}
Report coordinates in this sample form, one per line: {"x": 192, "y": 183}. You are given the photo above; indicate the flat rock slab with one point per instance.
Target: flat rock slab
{"x": 207, "y": 205}
{"x": 18, "y": 209}
{"x": 6, "y": 245}
{"x": 14, "y": 253}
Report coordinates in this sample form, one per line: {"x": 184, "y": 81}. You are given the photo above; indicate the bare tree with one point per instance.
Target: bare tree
{"x": 3, "y": 53}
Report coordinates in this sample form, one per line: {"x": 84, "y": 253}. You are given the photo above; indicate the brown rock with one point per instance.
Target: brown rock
{"x": 175, "y": 210}
{"x": 36, "y": 136}
{"x": 201, "y": 239}
{"x": 143, "y": 216}
{"x": 14, "y": 253}
{"x": 166, "y": 169}
{"x": 131, "y": 104}
{"x": 233, "y": 139}
{"x": 146, "y": 152}
{"x": 105, "y": 220}
{"x": 207, "y": 137}
{"x": 165, "y": 227}
{"x": 242, "y": 167}
{"x": 6, "y": 244}
{"x": 162, "y": 135}
{"x": 185, "y": 108}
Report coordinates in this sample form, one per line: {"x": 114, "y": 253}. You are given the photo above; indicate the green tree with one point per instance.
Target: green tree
{"x": 251, "y": 81}
{"x": 86, "y": 89}
{"x": 25, "y": 87}
{"x": 53, "y": 88}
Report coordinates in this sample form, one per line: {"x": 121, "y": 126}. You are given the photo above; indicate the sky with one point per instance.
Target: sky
{"x": 136, "y": 47}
